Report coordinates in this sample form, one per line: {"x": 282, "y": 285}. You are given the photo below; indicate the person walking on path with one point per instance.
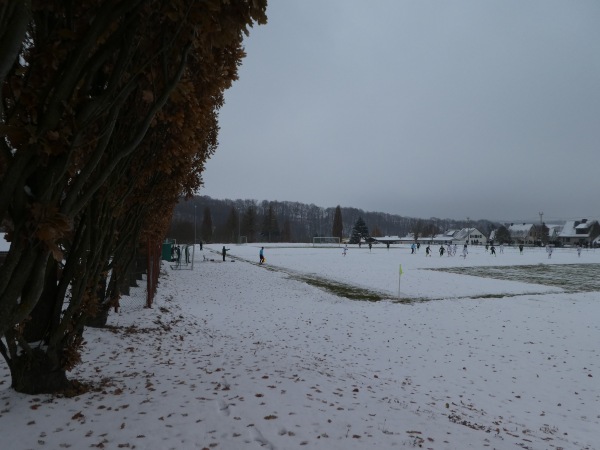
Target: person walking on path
{"x": 224, "y": 252}
{"x": 261, "y": 255}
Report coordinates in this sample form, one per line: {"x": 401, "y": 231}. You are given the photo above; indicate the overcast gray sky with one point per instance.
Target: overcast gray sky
{"x": 450, "y": 109}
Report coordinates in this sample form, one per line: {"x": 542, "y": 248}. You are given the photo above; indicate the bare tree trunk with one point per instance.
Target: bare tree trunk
{"x": 35, "y": 373}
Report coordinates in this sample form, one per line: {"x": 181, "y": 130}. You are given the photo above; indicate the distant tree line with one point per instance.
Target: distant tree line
{"x": 213, "y": 220}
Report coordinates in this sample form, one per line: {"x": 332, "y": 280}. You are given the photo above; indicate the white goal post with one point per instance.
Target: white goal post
{"x": 326, "y": 241}
{"x": 242, "y": 240}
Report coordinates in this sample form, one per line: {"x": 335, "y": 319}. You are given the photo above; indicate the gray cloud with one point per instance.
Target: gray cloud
{"x": 420, "y": 108}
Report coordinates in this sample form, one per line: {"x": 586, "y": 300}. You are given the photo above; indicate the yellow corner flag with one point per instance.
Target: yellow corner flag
{"x": 401, "y": 269}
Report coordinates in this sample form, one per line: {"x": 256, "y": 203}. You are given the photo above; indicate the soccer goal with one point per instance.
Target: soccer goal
{"x": 242, "y": 240}
{"x": 326, "y": 241}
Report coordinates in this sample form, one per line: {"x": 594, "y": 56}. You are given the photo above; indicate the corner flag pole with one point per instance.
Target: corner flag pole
{"x": 399, "y": 278}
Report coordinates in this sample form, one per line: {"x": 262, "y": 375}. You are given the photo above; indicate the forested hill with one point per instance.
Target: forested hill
{"x": 281, "y": 221}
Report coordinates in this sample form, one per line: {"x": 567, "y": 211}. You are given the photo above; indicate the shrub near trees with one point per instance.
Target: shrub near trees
{"x": 109, "y": 111}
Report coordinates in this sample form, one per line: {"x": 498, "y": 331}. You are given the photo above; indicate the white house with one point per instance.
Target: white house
{"x": 472, "y": 236}
{"x": 582, "y": 231}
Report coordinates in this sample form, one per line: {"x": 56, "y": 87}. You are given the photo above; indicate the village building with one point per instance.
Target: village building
{"x": 576, "y": 232}
{"x": 471, "y": 236}
{"x": 553, "y": 232}
{"x": 585, "y": 232}
{"x": 522, "y": 233}
{"x": 530, "y": 233}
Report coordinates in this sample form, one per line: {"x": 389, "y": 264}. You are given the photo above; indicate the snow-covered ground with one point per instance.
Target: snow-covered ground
{"x": 239, "y": 356}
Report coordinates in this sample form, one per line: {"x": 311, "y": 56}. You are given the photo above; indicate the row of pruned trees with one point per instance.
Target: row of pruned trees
{"x": 109, "y": 111}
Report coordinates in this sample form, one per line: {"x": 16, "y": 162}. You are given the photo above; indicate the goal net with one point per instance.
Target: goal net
{"x": 326, "y": 241}
{"x": 242, "y": 240}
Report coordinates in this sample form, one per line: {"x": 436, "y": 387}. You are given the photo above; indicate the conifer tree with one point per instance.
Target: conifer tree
{"x": 502, "y": 235}
{"x": 338, "y": 227}
{"x": 207, "y": 227}
{"x": 359, "y": 231}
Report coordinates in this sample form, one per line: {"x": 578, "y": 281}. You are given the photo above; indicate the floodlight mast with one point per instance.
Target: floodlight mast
{"x": 468, "y": 231}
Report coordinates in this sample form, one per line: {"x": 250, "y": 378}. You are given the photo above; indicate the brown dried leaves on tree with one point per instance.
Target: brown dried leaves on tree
{"x": 108, "y": 105}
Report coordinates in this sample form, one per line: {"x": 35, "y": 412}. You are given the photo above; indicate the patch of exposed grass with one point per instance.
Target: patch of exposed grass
{"x": 570, "y": 277}
{"x": 342, "y": 289}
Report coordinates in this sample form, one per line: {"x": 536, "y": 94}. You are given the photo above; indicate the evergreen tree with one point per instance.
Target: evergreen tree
{"x": 359, "y": 231}
{"x": 207, "y": 227}
{"x": 338, "y": 226}
{"x": 502, "y": 235}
